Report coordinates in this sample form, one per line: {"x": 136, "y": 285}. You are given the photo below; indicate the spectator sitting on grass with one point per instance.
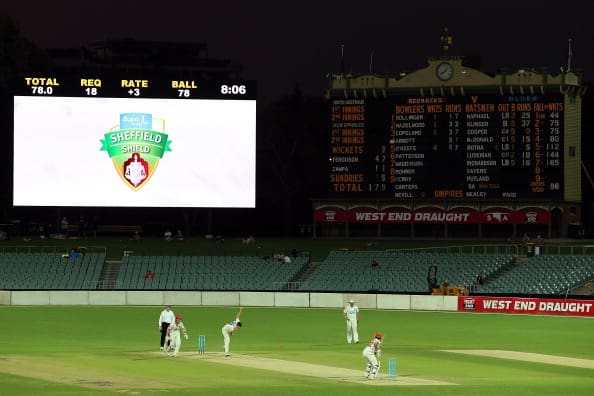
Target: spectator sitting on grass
{"x": 249, "y": 240}
{"x": 179, "y": 235}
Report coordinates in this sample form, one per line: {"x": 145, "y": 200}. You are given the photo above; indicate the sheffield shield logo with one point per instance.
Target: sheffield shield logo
{"x": 135, "y": 147}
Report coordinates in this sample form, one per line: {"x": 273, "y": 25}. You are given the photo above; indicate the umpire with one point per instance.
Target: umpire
{"x": 165, "y": 319}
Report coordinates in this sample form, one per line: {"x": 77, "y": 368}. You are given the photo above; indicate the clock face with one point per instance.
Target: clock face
{"x": 444, "y": 71}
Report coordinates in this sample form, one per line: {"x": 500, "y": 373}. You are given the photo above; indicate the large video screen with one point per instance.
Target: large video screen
{"x": 138, "y": 150}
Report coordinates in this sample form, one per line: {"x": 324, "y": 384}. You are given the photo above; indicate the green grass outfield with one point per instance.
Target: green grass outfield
{"x": 114, "y": 350}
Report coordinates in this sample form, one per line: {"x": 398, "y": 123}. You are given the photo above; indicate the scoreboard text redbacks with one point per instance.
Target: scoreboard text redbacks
{"x": 455, "y": 147}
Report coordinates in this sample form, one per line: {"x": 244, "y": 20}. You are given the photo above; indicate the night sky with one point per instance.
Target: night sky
{"x": 287, "y": 44}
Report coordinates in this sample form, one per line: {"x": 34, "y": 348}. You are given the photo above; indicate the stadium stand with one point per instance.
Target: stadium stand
{"x": 397, "y": 271}
{"x": 207, "y": 272}
{"x": 402, "y": 272}
{"x": 50, "y": 271}
{"x": 555, "y": 274}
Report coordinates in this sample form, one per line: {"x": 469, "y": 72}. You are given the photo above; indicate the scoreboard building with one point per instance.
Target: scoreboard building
{"x": 449, "y": 151}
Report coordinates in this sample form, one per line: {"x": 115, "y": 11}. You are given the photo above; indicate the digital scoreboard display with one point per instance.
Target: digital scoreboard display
{"x": 495, "y": 147}
{"x": 106, "y": 140}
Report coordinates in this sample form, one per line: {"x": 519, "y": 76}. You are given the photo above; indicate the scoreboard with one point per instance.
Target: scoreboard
{"x": 151, "y": 140}
{"x": 484, "y": 146}
{"x": 87, "y": 85}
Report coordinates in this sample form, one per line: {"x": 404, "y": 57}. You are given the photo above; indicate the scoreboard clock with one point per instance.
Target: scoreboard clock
{"x": 134, "y": 141}
{"x": 444, "y": 71}
{"x": 474, "y": 147}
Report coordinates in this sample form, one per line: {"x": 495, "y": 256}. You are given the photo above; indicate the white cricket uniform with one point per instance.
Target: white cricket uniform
{"x": 352, "y": 314}
{"x": 174, "y": 331}
{"x": 370, "y": 354}
{"x": 227, "y": 331}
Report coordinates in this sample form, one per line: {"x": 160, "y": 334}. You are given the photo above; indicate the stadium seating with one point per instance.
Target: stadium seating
{"x": 207, "y": 272}
{"x": 550, "y": 274}
{"x": 396, "y": 272}
{"x": 50, "y": 271}
{"x": 402, "y": 272}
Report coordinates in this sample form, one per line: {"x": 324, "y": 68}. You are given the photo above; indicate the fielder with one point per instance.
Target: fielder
{"x": 351, "y": 315}
{"x": 371, "y": 353}
{"x": 173, "y": 333}
{"x": 228, "y": 330}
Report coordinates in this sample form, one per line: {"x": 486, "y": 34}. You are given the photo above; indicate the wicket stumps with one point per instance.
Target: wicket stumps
{"x": 201, "y": 344}
{"x": 392, "y": 368}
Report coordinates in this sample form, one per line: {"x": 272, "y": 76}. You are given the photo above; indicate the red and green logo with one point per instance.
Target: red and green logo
{"x": 135, "y": 147}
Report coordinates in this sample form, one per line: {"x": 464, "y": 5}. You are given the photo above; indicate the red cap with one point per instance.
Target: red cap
{"x": 178, "y": 316}
{"x": 378, "y": 335}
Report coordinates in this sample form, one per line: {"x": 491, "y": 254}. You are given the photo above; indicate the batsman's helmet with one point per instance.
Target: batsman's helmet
{"x": 378, "y": 336}
{"x": 177, "y": 316}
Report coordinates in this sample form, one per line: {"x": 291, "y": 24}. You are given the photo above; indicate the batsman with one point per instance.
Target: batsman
{"x": 371, "y": 353}
{"x": 173, "y": 333}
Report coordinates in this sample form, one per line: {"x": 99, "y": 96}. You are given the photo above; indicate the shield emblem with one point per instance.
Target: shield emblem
{"x": 135, "y": 146}
{"x": 136, "y": 170}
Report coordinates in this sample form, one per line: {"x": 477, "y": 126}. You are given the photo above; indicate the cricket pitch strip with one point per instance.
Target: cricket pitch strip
{"x": 69, "y": 371}
{"x": 312, "y": 370}
{"x": 527, "y": 357}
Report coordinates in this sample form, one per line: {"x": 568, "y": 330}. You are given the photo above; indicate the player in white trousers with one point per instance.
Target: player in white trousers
{"x": 351, "y": 315}
{"x": 173, "y": 333}
{"x": 228, "y": 330}
{"x": 371, "y": 353}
